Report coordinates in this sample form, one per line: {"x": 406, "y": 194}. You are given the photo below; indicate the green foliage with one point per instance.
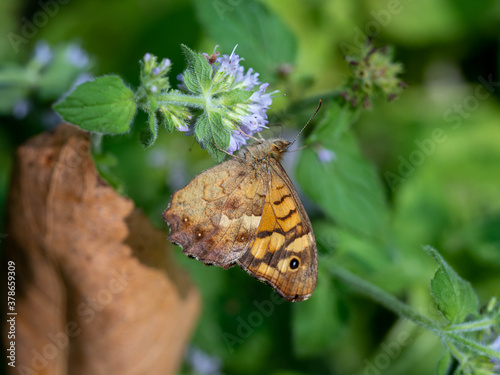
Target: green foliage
{"x": 108, "y": 103}
{"x": 454, "y": 296}
{"x": 47, "y": 75}
{"x": 445, "y": 364}
{"x": 199, "y": 72}
{"x": 211, "y": 134}
{"x": 316, "y": 323}
{"x": 216, "y": 99}
{"x": 445, "y": 192}
{"x": 60, "y": 74}
{"x": 269, "y": 43}
{"x": 349, "y": 190}
{"x": 15, "y": 85}
{"x": 372, "y": 73}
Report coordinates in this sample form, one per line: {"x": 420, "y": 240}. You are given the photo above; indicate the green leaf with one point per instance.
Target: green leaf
{"x": 221, "y": 135}
{"x": 147, "y": 138}
{"x": 454, "y": 296}
{"x": 190, "y": 81}
{"x": 201, "y": 129}
{"x": 316, "y": 322}
{"x": 444, "y": 364}
{"x": 210, "y": 132}
{"x": 263, "y": 39}
{"x": 105, "y": 105}
{"x": 347, "y": 188}
{"x": 164, "y": 118}
{"x": 216, "y": 154}
{"x": 198, "y": 75}
{"x": 203, "y": 71}
{"x": 335, "y": 122}
{"x": 357, "y": 253}
{"x": 235, "y": 96}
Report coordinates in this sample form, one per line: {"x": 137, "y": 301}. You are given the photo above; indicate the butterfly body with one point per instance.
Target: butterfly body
{"x": 246, "y": 211}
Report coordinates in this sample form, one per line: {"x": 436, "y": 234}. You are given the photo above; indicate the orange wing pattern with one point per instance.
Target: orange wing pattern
{"x": 215, "y": 217}
{"x": 284, "y": 252}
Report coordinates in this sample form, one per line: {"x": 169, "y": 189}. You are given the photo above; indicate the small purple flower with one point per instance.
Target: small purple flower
{"x": 77, "y": 56}
{"x": 147, "y": 57}
{"x": 182, "y": 127}
{"x": 229, "y": 64}
{"x": 259, "y": 96}
{"x": 256, "y": 120}
{"x": 249, "y": 80}
{"x": 241, "y": 119}
{"x": 495, "y": 345}
{"x": 156, "y": 71}
{"x": 203, "y": 363}
{"x": 325, "y": 155}
{"x": 21, "y": 109}
{"x": 42, "y": 53}
{"x": 165, "y": 63}
{"x": 237, "y": 140}
{"x": 253, "y": 123}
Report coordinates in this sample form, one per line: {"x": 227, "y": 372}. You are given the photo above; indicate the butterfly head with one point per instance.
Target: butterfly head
{"x": 278, "y": 147}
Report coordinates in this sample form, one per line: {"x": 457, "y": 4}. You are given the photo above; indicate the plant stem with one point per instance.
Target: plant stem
{"x": 472, "y": 326}
{"x": 96, "y": 142}
{"x": 193, "y": 101}
{"x": 456, "y": 353}
{"x": 385, "y": 299}
{"x": 189, "y": 100}
{"x": 392, "y": 303}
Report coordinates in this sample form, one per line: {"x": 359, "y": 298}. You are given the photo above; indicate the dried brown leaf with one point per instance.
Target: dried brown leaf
{"x": 97, "y": 291}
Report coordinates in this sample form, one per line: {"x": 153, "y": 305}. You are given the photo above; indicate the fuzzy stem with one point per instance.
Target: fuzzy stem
{"x": 96, "y": 142}
{"x": 471, "y": 326}
{"x": 188, "y": 100}
{"x": 392, "y": 303}
{"x": 388, "y": 301}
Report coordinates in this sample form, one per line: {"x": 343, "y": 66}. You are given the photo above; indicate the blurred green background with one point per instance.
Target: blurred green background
{"x": 447, "y": 193}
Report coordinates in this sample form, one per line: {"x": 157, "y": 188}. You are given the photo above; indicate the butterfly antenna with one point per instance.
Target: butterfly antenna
{"x": 248, "y": 135}
{"x": 227, "y": 153}
{"x": 307, "y": 123}
{"x": 191, "y": 147}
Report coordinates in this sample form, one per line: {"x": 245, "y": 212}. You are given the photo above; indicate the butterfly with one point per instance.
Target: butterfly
{"x": 246, "y": 211}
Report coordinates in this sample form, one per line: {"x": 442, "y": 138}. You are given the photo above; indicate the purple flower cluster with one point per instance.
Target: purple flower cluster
{"x": 254, "y": 121}
{"x": 249, "y": 117}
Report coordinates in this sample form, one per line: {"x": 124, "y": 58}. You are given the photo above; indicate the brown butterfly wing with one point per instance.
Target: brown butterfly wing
{"x": 215, "y": 217}
{"x": 284, "y": 253}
